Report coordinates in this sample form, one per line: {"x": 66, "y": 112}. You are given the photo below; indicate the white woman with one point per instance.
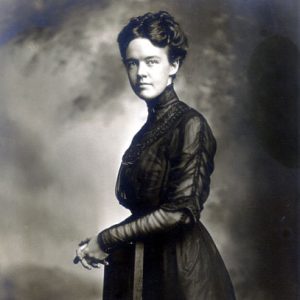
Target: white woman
{"x": 163, "y": 180}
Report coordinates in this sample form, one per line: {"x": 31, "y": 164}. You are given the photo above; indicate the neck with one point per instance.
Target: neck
{"x": 163, "y": 98}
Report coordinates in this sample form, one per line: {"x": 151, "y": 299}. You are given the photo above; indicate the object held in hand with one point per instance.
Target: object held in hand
{"x": 77, "y": 259}
{"x": 92, "y": 262}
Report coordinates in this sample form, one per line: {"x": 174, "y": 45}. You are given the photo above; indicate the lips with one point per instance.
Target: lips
{"x": 143, "y": 84}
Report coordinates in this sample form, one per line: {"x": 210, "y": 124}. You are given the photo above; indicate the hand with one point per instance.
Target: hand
{"x": 89, "y": 254}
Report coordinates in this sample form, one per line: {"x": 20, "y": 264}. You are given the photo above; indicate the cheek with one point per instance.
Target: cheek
{"x": 131, "y": 75}
{"x": 162, "y": 75}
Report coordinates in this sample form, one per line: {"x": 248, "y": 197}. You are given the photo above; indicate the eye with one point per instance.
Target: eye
{"x": 152, "y": 61}
{"x": 131, "y": 63}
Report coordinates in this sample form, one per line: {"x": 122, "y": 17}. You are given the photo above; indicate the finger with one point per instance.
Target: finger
{"x": 96, "y": 265}
{"x": 105, "y": 262}
{"x": 79, "y": 254}
{"x": 84, "y": 242}
{"x": 85, "y": 264}
{"x": 81, "y": 251}
{"x": 95, "y": 262}
{"x": 80, "y": 258}
{"x": 101, "y": 261}
{"x": 92, "y": 261}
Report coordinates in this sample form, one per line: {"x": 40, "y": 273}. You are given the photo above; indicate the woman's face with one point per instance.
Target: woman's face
{"x": 148, "y": 68}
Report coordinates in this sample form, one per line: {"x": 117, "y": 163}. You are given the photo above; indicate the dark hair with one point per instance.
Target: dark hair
{"x": 161, "y": 29}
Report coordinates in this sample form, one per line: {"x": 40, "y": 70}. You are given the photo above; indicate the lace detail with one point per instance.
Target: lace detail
{"x": 166, "y": 122}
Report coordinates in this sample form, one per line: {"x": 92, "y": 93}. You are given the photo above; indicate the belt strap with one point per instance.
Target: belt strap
{"x": 138, "y": 271}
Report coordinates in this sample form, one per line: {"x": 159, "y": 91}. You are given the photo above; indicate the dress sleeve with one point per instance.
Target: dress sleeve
{"x": 158, "y": 221}
{"x": 191, "y": 154}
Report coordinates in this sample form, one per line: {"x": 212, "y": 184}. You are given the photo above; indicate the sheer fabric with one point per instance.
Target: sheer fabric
{"x": 164, "y": 173}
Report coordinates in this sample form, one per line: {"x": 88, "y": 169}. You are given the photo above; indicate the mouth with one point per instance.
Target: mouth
{"x": 143, "y": 84}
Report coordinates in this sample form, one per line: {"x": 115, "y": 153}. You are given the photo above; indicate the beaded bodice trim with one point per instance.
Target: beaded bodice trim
{"x": 163, "y": 125}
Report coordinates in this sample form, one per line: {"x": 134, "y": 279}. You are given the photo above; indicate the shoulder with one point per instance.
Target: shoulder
{"x": 193, "y": 124}
{"x": 192, "y": 117}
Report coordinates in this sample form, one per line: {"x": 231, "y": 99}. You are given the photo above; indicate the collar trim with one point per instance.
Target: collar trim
{"x": 167, "y": 97}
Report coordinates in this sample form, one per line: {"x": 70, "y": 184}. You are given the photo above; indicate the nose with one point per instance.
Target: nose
{"x": 142, "y": 69}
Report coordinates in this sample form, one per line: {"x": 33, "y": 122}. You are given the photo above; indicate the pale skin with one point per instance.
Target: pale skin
{"x": 150, "y": 72}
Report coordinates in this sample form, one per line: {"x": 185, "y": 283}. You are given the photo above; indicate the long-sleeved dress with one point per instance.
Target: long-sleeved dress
{"x": 168, "y": 167}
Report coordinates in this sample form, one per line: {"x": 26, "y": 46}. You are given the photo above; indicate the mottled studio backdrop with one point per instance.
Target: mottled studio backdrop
{"x": 67, "y": 114}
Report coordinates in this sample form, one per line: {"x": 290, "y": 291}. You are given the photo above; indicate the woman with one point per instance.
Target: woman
{"x": 164, "y": 180}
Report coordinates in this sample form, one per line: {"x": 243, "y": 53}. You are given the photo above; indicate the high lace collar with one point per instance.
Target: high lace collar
{"x": 166, "y": 98}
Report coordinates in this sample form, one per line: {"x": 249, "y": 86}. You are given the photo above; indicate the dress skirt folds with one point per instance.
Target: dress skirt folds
{"x": 168, "y": 166}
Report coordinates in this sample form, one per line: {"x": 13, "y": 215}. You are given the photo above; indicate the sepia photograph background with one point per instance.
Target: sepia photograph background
{"x": 67, "y": 114}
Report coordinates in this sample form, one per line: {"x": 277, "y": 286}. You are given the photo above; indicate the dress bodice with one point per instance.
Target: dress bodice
{"x": 169, "y": 161}
{"x": 168, "y": 167}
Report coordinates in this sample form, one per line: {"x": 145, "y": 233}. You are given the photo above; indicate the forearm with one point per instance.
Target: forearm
{"x": 156, "y": 222}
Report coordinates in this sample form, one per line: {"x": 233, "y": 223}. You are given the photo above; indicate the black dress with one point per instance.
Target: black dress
{"x": 168, "y": 165}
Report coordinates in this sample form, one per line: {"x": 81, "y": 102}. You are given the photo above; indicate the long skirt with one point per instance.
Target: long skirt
{"x": 179, "y": 265}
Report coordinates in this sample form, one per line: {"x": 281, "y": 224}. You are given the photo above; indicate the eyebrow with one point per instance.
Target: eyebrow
{"x": 135, "y": 59}
{"x": 153, "y": 56}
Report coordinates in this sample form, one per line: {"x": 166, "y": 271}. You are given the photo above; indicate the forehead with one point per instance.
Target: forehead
{"x": 140, "y": 48}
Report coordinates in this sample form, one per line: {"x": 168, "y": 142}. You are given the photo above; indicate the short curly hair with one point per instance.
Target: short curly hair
{"x": 161, "y": 29}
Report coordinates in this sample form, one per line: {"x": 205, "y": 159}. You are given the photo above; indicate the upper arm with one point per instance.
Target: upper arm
{"x": 191, "y": 153}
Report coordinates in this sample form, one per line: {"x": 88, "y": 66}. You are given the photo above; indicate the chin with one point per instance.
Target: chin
{"x": 146, "y": 95}
{"x": 147, "y": 98}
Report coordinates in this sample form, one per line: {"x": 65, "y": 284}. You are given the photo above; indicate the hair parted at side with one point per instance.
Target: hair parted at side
{"x": 161, "y": 29}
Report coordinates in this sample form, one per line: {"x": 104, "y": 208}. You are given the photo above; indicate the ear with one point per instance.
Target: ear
{"x": 174, "y": 67}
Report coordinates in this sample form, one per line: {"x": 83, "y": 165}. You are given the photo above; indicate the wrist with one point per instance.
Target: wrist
{"x": 102, "y": 245}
